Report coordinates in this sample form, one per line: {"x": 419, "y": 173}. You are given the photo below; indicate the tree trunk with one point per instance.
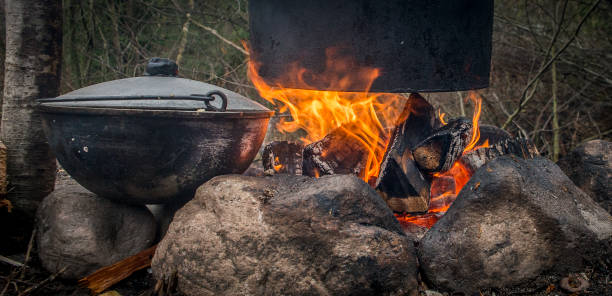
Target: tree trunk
{"x": 2, "y": 51}
{"x": 32, "y": 71}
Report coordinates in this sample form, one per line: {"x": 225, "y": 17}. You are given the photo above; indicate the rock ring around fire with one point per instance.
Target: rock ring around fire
{"x": 287, "y": 235}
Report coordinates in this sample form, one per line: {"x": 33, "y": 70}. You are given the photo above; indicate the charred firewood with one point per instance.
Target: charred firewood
{"x": 439, "y": 151}
{"x": 400, "y": 182}
{"x": 516, "y": 146}
{"x": 340, "y": 152}
{"x": 283, "y": 157}
{"x": 403, "y": 187}
{"x": 492, "y": 134}
{"x": 526, "y": 147}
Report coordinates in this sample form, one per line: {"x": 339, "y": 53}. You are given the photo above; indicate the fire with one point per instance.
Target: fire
{"x": 277, "y": 164}
{"x": 475, "y": 121}
{"x": 441, "y": 116}
{"x": 445, "y": 186}
{"x": 366, "y": 117}
{"x": 369, "y": 118}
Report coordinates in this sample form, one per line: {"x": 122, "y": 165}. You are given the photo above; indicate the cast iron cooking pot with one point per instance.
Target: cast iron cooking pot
{"x": 155, "y": 138}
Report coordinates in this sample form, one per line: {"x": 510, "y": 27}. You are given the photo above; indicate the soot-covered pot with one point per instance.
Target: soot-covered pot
{"x": 155, "y": 138}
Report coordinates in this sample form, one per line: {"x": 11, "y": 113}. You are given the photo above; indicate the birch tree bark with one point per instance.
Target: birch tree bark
{"x": 32, "y": 71}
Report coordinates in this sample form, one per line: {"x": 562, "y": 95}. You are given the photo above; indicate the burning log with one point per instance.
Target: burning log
{"x": 403, "y": 187}
{"x": 283, "y": 157}
{"x": 516, "y": 146}
{"x": 439, "y": 151}
{"x": 400, "y": 182}
{"x": 340, "y": 152}
{"x": 446, "y": 145}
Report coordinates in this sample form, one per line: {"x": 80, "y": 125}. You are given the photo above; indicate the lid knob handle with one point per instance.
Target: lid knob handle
{"x": 161, "y": 67}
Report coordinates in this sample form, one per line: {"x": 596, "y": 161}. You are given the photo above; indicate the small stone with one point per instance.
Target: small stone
{"x": 574, "y": 283}
{"x": 431, "y": 293}
{"x": 84, "y": 232}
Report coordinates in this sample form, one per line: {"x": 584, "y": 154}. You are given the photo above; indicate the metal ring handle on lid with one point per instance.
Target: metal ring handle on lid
{"x": 210, "y": 97}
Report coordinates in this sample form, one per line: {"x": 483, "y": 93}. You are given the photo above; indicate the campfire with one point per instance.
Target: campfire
{"x": 416, "y": 160}
{"x": 363, "y": 119}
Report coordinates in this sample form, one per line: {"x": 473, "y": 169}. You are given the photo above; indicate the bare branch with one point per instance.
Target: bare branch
{"x": 524, "y": 98}
{"x": 214, "y": 32}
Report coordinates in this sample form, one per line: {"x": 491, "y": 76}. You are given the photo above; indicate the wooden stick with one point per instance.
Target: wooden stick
{"x": 43, "y": 283}
{"x": 28, "y": 253}
{"x": 214, "y": 32}
{"x": 106, "y": 277}
{"x": 10, "y": 261}
{"x": 9, "y": 280}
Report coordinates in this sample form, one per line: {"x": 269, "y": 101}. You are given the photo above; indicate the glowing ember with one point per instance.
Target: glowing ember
{"x": 367, "y": 117}
{"x": 277, "y": 164}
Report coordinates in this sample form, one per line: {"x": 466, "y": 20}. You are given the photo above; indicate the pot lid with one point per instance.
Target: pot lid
{"x": 159, "y": 89}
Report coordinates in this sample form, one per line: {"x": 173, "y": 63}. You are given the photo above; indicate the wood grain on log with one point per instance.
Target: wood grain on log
{"x": 400, "y": 182}
{"x": 439, "y": 151}
{"x": 106, "y": 277}
{"x": 338, "y": 153}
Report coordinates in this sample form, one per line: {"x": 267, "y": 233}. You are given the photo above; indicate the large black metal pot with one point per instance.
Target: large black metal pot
{"x": 417, "y": 45}
{"x": 152, "y": 139}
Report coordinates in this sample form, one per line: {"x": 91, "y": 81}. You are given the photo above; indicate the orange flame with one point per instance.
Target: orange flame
{"x": 475, "y": 121}
{"x": 277, "y": 165}
{"x": 441, "y": 116}
{"x": 366, "y": 117}
{"x": 445, "y": 186}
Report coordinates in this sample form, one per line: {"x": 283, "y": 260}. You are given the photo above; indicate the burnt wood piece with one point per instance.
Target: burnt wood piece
{"x": 441, "y": 149}
{"x": 500, "y": 143}
{"x": 340, "y": 152}
{"x": 400, "y": 183}
{"x": 520, "y": 147}
{"x": 106, "y": 277}
{"x": 493, "y": 134}
{"x": 283, "y": 157}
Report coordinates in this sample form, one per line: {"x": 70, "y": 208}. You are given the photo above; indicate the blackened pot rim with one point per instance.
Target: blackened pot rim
{"x": 154, "y": 113}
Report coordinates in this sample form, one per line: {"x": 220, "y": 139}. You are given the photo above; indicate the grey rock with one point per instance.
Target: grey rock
{"x": 514, "y": 220}
{"x": 286, "y": 235}
{"x": 590, "y": 167}
{"x": 163, "y": 214}
{"x": 84, "y": 232}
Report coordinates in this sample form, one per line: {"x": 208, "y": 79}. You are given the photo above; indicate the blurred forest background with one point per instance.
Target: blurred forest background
{"x": 551, "y": 75}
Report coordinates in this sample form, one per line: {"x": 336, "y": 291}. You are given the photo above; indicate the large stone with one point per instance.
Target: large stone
{"x": 590, "y": 167}
{"x": 84, "y": 232}
{"x": 286, "y": 235}
{"x": 514, "y": 220}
